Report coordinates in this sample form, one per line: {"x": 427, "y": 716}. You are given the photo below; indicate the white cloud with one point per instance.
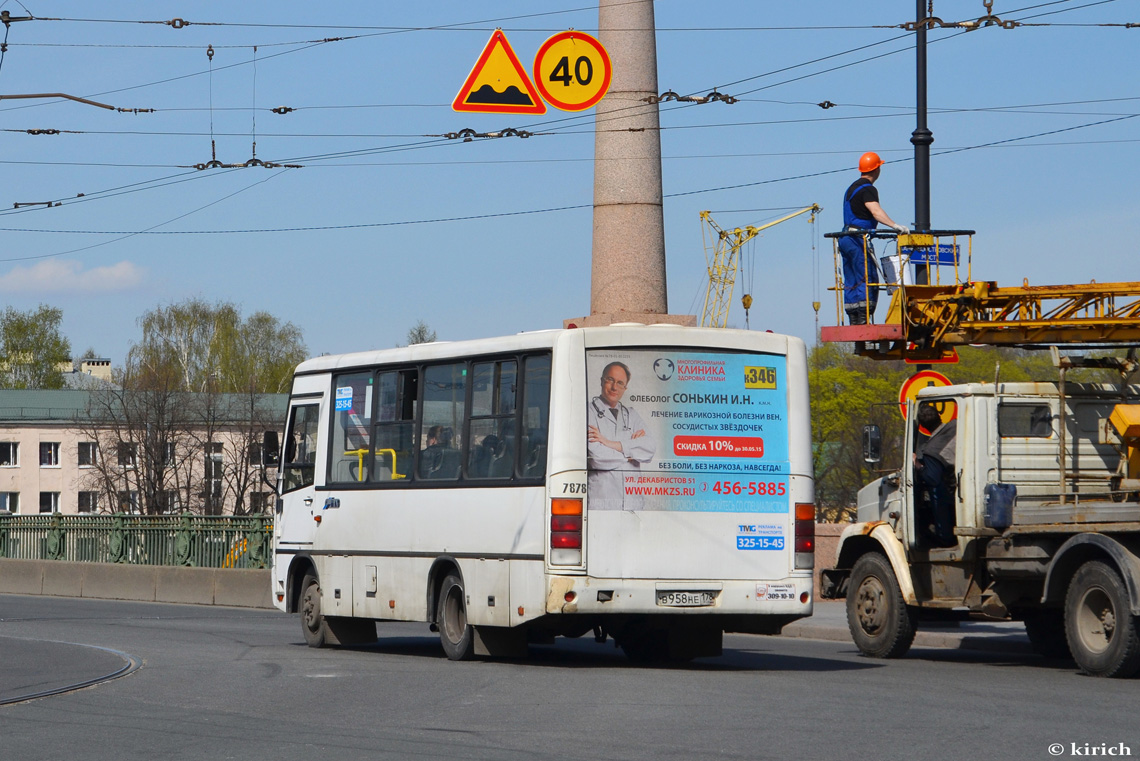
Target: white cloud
{"x": 57, "y": 276}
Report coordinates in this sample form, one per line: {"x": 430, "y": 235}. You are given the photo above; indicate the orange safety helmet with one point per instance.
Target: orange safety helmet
{"x": 869, "y": 162}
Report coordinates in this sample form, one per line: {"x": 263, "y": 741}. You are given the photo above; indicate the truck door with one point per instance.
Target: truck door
{"x": 931, "y": 473}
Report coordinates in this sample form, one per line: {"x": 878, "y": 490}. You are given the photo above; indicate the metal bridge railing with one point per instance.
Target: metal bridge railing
{"x": 178, "y": 540}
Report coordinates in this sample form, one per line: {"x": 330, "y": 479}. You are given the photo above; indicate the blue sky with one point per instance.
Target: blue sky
{"x": 1060, "y": 208}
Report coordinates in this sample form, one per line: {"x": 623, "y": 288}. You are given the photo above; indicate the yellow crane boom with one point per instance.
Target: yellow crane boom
{"x": 724, "y": 262}
{"x": 925, "y": 322}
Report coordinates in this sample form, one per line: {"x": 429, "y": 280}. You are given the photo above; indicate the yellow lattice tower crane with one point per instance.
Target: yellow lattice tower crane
{"x": 722, "y": 256}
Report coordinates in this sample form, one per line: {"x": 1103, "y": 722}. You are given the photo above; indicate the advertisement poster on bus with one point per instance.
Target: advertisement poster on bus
{"x": 687, "y": 431}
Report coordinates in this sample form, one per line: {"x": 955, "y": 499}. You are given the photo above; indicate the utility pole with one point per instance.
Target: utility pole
{"x": 921, "y": 138}
{"x": 627, "y": 282}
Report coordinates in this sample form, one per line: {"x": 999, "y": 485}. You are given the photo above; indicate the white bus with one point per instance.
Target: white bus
{"x": 652, "y": 484}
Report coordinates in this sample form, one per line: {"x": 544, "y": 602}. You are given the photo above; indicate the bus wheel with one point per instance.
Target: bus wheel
{"x": 455, "y": 634}
{"x": 312, "y": 622}
{"x": 1099, "y": 622}
{"x": 880, "y": 621}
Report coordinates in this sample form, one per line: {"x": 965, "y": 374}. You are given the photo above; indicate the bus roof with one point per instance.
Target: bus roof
{"x": 626, "y": 334}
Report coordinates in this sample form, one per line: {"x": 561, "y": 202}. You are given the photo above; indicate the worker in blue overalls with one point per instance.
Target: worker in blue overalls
{"x": 862, "y": 213}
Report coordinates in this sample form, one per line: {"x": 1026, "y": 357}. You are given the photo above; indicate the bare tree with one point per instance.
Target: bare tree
{"x": 209, "y": 347}
{"x": 142, "y": 463}
{"x": 420, "y": 333}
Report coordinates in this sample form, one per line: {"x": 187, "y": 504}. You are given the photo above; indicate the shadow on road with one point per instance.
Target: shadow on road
{"x": 584, "y": 653}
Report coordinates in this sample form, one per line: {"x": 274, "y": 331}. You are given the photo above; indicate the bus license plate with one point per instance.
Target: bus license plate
{"x": 685, "y": 599}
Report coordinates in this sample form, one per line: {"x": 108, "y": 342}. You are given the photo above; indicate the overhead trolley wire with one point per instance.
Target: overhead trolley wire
{"x": 340, "y": 26}
{"x": 150, "y": 230}
{"x": 547, "y": 210}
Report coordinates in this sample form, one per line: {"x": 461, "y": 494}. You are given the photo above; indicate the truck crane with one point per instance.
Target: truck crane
{"x": 722, "y": 256}
{"x": 1030, "y": 507}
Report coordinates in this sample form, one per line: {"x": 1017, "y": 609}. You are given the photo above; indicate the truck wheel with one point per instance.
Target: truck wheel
{"x": 312, "y": 622}
{"x": 881, "y": 623}
{"x": 455, "y": 634}
{"x": 1099, "y": 623}
{"x": 1045, "y": 628}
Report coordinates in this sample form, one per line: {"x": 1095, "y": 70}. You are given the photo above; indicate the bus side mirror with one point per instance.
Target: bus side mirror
{"x": 270, "y": 450}
{"x": 872, "y": 444}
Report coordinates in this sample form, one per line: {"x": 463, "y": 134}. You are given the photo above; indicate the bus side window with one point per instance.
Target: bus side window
{"x": 395, "y": 421}
{"x": 441, "y": 435}
{"x": 299, "y": 462}
{"x": 494, "y": 390}
{"x": 351, "y": 454}
{"x": 535, "y": 416}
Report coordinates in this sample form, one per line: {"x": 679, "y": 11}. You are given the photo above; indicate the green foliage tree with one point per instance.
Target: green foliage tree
{"x": 32, "y": 348}
{"x": 200, "y": 346}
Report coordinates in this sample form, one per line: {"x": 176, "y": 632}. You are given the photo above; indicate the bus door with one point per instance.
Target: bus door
{"x": 295, "y": 524}
{"x": 688, "y": 473}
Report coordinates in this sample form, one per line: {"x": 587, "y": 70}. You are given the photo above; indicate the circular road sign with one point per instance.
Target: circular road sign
{"x": 925, "y": 379}
{"x": 572, "y": 71}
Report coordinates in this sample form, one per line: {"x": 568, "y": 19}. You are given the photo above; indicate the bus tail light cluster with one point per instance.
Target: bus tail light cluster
{"x": 565, "y": 531}
{"x": 805, "y": 535}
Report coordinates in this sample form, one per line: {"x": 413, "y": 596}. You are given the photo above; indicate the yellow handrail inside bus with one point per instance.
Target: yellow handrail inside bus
{"x": 360, "y": 453}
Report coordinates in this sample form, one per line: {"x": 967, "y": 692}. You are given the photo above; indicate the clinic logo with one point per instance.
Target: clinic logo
{"x": 663, "y": 368}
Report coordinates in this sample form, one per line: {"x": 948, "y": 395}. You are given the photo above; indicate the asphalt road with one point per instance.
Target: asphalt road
{"x": 226, "y": 683}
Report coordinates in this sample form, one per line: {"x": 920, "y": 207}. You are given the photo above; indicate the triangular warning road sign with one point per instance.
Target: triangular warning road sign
{"x": 498, "y": 84}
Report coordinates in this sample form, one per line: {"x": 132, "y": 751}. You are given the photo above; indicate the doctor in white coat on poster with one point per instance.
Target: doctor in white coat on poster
{"x": 616, "y": 443}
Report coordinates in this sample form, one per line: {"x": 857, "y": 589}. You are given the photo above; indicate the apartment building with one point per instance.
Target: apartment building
{"x": 107, "y": 451}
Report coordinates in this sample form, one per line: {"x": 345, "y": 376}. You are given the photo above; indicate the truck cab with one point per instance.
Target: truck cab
{"x": 1022, "y": 503}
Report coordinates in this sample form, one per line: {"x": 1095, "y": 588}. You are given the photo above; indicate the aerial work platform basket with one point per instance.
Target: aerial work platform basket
{"x": 936, "y": 305}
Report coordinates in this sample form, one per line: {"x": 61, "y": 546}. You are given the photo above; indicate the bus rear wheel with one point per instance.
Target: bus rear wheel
{"x": 312, "y": 622}
{"x": 455, "y": 634}
{"x": 1101, "y": 629}
{"x": 881, "y": 623}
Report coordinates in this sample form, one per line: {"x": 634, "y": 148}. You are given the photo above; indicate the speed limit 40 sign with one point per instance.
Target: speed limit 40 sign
{"x": 572, "y": 71}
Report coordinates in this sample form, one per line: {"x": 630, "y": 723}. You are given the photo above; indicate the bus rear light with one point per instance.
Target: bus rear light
{"x": 562, "y": 506}
{"x": 566, "y": 540}
{"x": 570, "y": 596}
{"x": 565, "y": 531}
{"x": 804, "y": 597}
{"x": 565, "y": 523}
{"x": 805, "y": 535}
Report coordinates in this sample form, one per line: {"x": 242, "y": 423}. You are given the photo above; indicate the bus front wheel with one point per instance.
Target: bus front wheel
{"x": 455, "y": 634}
{"x": 312, "y": 622}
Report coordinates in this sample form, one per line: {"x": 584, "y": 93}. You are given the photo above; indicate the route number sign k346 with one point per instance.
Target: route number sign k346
{"x": 572, "y": 71}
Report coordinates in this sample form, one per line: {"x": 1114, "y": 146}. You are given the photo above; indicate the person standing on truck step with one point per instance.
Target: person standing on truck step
{"x": 934, "y": 472}
{"x": 862, "y": 214}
